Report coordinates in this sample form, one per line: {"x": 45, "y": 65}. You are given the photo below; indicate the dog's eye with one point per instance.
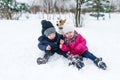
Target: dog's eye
{"x": 60, "y": 21}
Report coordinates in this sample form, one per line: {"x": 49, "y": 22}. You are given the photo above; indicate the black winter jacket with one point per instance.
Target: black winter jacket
{"x": 44, "y": 42}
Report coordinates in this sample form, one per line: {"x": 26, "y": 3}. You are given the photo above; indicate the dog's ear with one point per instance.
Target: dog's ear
{"x": 64, "y": 20}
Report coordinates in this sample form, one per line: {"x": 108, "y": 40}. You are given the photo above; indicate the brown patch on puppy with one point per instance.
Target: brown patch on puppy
{"x": 61, "y": 23}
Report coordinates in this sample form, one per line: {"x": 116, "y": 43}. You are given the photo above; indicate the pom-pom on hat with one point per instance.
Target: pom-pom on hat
{"x": 47, "y": 27}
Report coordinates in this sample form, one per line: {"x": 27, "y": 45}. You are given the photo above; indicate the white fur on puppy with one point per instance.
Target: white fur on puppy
{"x": 64, "y": 26}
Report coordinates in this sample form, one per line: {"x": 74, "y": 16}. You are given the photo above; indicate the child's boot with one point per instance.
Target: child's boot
{"x": 99, "y": 63}
{"x": 76, "y": 61}
{"x": 41, "y": 60}
{"x": 79, "y": 64}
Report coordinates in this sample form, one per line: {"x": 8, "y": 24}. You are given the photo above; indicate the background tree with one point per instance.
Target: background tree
{"x": 78, "y": 12}
{"x": 9, "y": 8}
{"x": 98, "y": 7}
{"x": 109, "y": 8}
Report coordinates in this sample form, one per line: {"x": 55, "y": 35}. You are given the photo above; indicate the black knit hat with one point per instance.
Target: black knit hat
{"x": 47, "y": 27}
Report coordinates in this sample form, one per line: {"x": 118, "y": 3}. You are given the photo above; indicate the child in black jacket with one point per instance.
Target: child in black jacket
{"x": 49, "y": 42}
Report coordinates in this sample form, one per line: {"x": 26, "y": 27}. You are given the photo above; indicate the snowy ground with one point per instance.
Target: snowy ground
{"x": 19, "y": 51}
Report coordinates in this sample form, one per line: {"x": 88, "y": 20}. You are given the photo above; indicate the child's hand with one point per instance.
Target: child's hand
{"x": 60, "y": 46}
{"x": 61, "y": 41}
{"x": 48, "y": 47}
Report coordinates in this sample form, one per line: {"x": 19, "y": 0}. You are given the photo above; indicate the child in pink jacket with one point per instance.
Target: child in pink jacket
{"x": 75, "y": 44}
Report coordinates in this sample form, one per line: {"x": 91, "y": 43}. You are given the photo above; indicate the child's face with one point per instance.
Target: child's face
{"x": 69, "y": 34}
{"x": 51, "y": 36}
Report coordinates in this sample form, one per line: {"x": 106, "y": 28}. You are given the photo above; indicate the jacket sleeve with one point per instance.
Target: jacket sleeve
{"x": 65, "y": 48}
{"x": 41, "y": 45}
{"x": 82, "y": 43}
{"x": 82, "y": 39}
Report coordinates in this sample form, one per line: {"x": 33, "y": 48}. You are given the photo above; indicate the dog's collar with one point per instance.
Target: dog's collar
{"x": 60, "y": 27}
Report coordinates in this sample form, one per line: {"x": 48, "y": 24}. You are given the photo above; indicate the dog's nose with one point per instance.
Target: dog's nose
{"x": 57, "y": 24}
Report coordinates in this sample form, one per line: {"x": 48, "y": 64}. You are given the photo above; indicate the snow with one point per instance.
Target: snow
{"x": 19, "y": 51}
{"x": 25, "y": 1}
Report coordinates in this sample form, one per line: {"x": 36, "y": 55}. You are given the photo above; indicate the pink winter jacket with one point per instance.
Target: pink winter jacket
{"x": 78, "y": 46}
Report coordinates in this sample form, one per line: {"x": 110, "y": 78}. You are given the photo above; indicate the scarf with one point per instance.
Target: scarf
{"x": 67, "y": 40}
